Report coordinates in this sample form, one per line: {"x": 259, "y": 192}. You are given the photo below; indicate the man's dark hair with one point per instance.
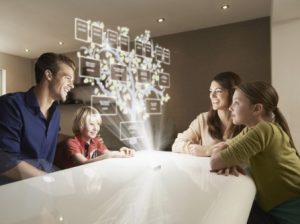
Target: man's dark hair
{"x": 51, "y": 62}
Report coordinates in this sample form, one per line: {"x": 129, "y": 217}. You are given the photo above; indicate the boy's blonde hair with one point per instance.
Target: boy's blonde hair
{"x": 80, "y": 117}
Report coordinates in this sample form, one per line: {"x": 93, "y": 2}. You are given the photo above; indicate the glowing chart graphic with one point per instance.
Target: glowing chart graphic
{"x": 127, "y": 81}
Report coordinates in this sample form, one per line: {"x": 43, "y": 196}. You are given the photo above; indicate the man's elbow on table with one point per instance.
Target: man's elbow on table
{"x": 22, "y": 170}
{"x": 216, "y": 162}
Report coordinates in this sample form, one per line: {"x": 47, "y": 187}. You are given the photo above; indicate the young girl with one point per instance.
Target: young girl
{"x": 214, "y": 126}
{"x": 86, "y": 146}
{"x": 267, "y": 145}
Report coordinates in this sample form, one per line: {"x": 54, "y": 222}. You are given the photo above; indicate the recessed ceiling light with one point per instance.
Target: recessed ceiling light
{"x": 160, "y": 20}
{"x": 26, "y": 50}
{"x": 60, "y": 43}
{"x": 224, "y": 7}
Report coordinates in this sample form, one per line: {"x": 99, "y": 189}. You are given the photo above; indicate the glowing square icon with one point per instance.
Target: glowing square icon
{"x": 104, "y": 104}
{"x": 166, "y": 56}
{"x": 124, "y": 43}
{"x": 158, "y": 53}
{"x": 118, "y": 72}
{"x": 138, "y": 48}
{"x": 97, "y": 33}
{"x": 81, "y": 30}
{"x": 89, "y": 67}
{"x": 153, "y": 106}
{"x": 164, "y": 80}
{"x": 148, "y": 50}
{"x": 143, "y": 76}
{"x": 131, "y": 129}
{"x": 112, "y": 38}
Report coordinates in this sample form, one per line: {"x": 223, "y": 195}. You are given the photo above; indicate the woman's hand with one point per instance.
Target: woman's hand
{"x": 205, "y": 151}
{"x": 198, "y": 150}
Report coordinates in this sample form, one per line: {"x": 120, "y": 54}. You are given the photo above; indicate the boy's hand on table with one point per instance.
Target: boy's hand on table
{"x": 116, "y": 154}
{"x": 127, "y": 152}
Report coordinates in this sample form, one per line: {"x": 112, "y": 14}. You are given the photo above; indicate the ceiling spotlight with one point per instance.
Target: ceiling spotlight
{"x": 224, "y": 7}
{"x": 160, "y": 20}
{"x": 26, "y": 50}
{"x": 60, "y": 43}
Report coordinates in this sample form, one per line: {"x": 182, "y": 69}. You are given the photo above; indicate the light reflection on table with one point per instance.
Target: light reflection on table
{"x": 151, "y": 188}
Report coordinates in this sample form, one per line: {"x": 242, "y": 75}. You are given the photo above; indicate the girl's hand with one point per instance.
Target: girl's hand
{"x": 234, "y": 170}
{"x": 199, "y": 150}
{"x": 218, "y": 147}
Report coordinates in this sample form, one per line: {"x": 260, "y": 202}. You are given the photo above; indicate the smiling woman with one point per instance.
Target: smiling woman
{"x": 214, "y": 126}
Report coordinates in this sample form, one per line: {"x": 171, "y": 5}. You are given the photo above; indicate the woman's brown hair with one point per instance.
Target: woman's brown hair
{"x": 265, "y": 94}
{"x": 229, "y": 81}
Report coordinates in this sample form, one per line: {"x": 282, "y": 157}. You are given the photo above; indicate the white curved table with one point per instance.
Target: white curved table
{"x": 151, "y": 188}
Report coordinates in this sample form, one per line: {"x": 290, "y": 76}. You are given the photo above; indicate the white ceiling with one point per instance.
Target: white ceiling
{"x": 39, "y": 24}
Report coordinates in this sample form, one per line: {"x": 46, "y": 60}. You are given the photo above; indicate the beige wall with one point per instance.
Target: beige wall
{"x": 285, "y": 28}
{"x": 67, "y": 113}
{"x": 19, "y": 72}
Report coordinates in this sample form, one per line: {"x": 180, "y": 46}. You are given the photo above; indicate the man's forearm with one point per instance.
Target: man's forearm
{"x": 22, "y": 171}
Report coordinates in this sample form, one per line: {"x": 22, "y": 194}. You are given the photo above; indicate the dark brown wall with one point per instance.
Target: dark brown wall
{"x": 197, "y": 56}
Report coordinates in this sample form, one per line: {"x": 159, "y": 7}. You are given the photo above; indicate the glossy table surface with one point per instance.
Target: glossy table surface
{"x": 151, "y": 188}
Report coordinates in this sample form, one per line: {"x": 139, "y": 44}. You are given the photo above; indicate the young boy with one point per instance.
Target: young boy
{"x": 86, "y": 146}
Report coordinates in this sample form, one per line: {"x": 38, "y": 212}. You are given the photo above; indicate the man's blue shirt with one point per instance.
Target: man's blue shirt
{"x": 25, "y": 134}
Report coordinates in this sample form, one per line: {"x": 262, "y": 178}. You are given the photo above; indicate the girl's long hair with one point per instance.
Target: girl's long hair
{"x": 265, "y": 94}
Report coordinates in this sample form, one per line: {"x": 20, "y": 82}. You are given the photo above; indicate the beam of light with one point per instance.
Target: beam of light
{"x": 133, "y": 80}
